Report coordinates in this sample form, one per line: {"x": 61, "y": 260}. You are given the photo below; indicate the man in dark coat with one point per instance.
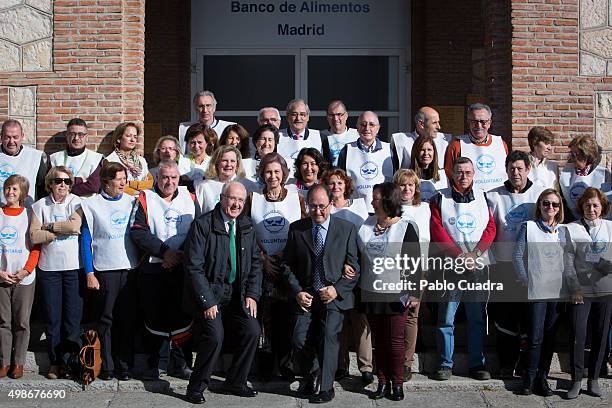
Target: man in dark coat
{"x": 222, "y": 287}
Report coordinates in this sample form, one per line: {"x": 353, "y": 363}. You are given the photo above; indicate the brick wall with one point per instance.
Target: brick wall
{"x": 98, "y": 70}
{"x": 546, "y": 87}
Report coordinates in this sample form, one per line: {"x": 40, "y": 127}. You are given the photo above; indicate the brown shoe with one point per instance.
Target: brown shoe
{"x": 17, "y": 372}
{"x": 54, "y": 372}
{"x": 4, "y": 371}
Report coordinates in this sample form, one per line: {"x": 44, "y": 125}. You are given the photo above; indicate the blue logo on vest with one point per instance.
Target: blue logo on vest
{"x": 599, "y": 247}
{"x": 485, "y": 163}
{"x": 335, "y": 149}
{"x": 294, "y": 155}
{"x": 171, "y": 216}
{"x": 516, "y": 215}
{"x": 369, "y": 170}
{"x": 8, "y": 235}
{"x": 6, "y": 170}
{"x": 119, "y": 219}
{"x": 576, "y": 191}
{"x": 376, "y": 246}
{"x": 274, "y": 222}
{"x": 466, "y": 223}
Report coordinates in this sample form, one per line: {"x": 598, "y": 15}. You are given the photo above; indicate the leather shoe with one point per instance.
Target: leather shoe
{"x": 367, "y": 378}
{"x": 243, "y": 391}
{"x": 106, "y": 375}
{"x": 4, "y": 370}
{"x": 195, "y": 397}
{"x": 323, "y": 397}
{"x": 17, "y": 372}
{"x": 542, "y": 388}
{"x": 124, "y": 376}
{"x": 397, "y": 393}
{"x": 380, "y": 392}
{"x": 312, "y": 384}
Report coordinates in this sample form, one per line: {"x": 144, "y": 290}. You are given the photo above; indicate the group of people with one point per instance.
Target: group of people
{"x": 277, "y": 239}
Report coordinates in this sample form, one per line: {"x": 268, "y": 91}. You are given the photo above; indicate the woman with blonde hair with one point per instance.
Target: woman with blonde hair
{"x": 17, "y": 273}
{"x": 168, "y": 148}
{"x": 125, "y": 139}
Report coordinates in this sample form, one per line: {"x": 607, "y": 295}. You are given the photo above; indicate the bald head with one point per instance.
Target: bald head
{"x": 427, "y": 122}
{"x": 368, "y": 127}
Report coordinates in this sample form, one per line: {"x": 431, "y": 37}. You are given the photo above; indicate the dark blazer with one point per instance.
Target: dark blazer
{"x": 340, "y": 248}
{"x": 207, "y": 262}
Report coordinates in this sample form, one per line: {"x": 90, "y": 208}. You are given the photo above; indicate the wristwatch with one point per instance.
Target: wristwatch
{"x": 49, "y": 227}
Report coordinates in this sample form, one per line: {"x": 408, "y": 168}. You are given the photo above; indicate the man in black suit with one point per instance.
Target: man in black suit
{"x": 221, "y": 290}
{"x": 317, "y": 249}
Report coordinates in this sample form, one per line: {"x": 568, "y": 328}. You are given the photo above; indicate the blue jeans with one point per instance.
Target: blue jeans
{"x": 64, "y": 309}
{"x": 541, "y": 328}
{"x": 445, "y": 332}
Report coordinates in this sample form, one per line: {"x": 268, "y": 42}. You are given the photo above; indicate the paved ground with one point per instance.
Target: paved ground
{"x": 420, "y": 392}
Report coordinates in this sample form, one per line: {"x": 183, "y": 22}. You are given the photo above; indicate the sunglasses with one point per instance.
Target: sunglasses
{"x": 59, "y": 180}
{"x": 552, "y": 204}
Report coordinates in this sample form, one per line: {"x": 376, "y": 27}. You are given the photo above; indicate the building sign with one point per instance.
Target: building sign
{"x": 280, "y": 23}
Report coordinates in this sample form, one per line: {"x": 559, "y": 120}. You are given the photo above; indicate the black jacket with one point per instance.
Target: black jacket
{"x": 340, "y": 248}
{"x": 207, "y": 262}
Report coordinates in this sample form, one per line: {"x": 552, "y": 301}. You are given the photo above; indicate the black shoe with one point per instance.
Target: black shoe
{"x": 541, "y": 388}
{"x": 240, "y": 391}
{"x": 407, "y": 374}
{"x": 106, "y": 375}
{"x": 380, "y": 392}
{"x": 312, "y": 385}
{"x": 341, "y": 374}
{"x": 195, "y": 397}
{"x": 524, "y": 391}
{"x": 124, "y": 376}
{"x": 442, "y": 374}
{"x": 397, "y": 393}
{"x": 367, "y": 378}
{"x": 323, "y": 397}
{"x": 480, "y": 373}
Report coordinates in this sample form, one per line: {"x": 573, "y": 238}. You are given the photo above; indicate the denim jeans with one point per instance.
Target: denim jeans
{"x": 445, "y": 329}
{"x": 541, "y": 328}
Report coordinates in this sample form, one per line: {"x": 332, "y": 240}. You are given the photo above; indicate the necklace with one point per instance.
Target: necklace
{"x": 275, "y": 196}
{"x": 380, "y": 229}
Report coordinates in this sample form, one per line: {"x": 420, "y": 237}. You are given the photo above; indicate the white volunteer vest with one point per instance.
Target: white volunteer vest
{"x": 544, "y": 262}
{"x": 368, "y": 169}
{"x": 218, "y": 126}
{"x": 489, "y": 162}
{"x": 338, "y": 141}
{"x": 465, "y": 222}
{"x": 143, "y": 163}
{"x": 375, "y": 248}
{"x": 289, "y": 147}
{"x": 545, "y": 175}
{"x": 14, "y": 252}
{"x": 572, "y": 185}
{"x": 421, "y": 216}
{"x": 108, "y": 222}
{"x": 510, "y": 210}
{"x": 196, "y": 171}
{"x": 62, "y": 254}
{"x": 356, "y": 213}
{"x": 26, "y": 163}
{"x": 429, "y": 188}
{"x": 272, "y": 219}
{"x": 81, "y": 166}
{"x": 169, "y": 221}
{"x": 208, "y": 194}
{"x": 403, "y": 142}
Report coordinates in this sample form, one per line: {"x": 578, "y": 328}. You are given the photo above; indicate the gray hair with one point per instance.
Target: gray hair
{"x": 204, "y": 93}
{"x": 226, "y": 187}
{"x": 179, "y": 151}
{"x": 419, "y": 117}
{"x": 267, "y": 108}
{"x": 294, "y": 102}
{"x": 336, "y": 103}
{"x": 167, "y": 164}
{"x": 479, "y": 106}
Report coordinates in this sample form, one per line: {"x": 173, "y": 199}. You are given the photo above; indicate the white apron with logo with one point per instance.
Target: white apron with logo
{"x": 545, "y": 175}
{"x": 572, "y": 185}
{"x": 368, "y": 169}
{"x": 544, "y": 262}
{"x": 108, "y": 222}
{"x": 14, "y": 252}
{"x": 489, "y": 162}
{"x": 26, "y": 163}
{"x": 61, "y": 254}
{"x": 338, "y": 141}
{"x": 289, "y": 147}
{"x": 356, "y": 213}
{"x": 429, "y": 188}
{"x": 81, "y": 166}
{"x": 272, "y": 219}
{"x": 169, "y": 221}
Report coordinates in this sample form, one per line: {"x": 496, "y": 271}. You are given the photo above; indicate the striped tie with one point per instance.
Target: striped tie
{"x": 318, "y": 280}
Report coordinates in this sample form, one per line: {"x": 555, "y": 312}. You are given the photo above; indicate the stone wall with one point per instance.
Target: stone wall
{"x": 94, "y": 70}
{"x": 557, "y": 75}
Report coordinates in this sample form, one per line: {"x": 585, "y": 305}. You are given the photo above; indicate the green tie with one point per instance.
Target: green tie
{"x": 232, "y": 235}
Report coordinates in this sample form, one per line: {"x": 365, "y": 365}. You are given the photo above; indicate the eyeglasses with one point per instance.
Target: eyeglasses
{"x": 232, "y": 199}
{"x": 167, "y": 149}
{"x": 482, "y": 122}
{"x": 60, "y": 180}
{"x": 80, "y": 135}
{"x": 320, "y": 207}
{"x": 553, "y": 204}
{"x": 370, "y": 124}
{"x": 336, "y": 115}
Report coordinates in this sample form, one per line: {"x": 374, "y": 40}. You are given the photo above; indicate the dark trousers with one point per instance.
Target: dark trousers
{"x": 389, "y": 346}
{"x": 509, "y": 320}
{"x": 116, "y": 310}
{"x": 62, "y": 293}
{"x": 599, "y": 311}
{"x": 208, "y": 336}
{"x": 541, "y": 328}
{"x": 275, "y": 316}
{"x": 316, "y": 341}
